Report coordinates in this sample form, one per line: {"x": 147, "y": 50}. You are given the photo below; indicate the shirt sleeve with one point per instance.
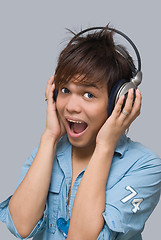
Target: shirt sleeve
{"x": 132, "y": 199}
{"x": 5, "y": 215}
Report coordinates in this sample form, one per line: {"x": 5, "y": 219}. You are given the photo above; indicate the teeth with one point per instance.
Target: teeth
{"x": 74, "y": 121}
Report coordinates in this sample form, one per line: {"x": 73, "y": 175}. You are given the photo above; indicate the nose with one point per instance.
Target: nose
{"x": 73, "y": 104}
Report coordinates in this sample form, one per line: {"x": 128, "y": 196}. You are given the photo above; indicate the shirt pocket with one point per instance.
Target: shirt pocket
{"x": 53, "y": 201}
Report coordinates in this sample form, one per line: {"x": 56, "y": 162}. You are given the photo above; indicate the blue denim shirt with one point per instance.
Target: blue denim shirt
{"x": 132, "y": 192}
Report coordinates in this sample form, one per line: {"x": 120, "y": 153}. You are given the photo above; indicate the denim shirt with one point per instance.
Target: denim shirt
{"x": 132, "y": 192}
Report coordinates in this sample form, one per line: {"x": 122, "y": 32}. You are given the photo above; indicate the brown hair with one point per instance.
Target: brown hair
{"x": 93, "y": 59}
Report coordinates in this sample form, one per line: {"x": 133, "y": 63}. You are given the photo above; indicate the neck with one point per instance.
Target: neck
{"x": 83, "y": 154}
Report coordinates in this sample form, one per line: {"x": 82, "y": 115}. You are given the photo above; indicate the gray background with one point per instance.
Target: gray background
{"x": 31, "y": 35}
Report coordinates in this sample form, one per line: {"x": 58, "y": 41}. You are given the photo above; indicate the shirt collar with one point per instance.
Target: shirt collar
{"x": 122, "y": 145}
{"x": 64, "y": 157}
{"x": 63, "y": 145}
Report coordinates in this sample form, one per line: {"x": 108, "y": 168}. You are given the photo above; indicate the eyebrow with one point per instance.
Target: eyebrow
{"x": 88, "y": 85}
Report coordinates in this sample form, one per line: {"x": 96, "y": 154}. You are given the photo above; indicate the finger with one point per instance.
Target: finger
{"x": 117, "y": 109}
{"x": 137, "y": 104}
{"x": 49, "y": 84}
{"x": 50, "y": 94}
{"x": 128, "y": 105}
{"x": 136, "y": 108}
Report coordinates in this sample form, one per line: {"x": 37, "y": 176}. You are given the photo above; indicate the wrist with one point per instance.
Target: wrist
{"x": 49, "y": 138}
{"x": 107, "y": 149}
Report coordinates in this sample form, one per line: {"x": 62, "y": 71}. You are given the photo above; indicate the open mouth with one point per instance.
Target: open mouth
{"x": 77, "y": 127}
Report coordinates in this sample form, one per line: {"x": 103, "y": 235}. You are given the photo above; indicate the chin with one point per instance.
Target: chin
{"x": 82, "y": 143}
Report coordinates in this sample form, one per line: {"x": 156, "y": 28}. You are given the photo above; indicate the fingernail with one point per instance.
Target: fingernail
{"x": 138, "y": 90}
{"x": 131, "y": 90}
{"x": 122, "y": 96}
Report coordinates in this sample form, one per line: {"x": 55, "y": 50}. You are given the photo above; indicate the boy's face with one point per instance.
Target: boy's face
{"x": 83, "y": 111}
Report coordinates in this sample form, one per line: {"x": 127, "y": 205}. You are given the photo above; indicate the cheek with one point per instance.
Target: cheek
{"x": 98, "y": 114}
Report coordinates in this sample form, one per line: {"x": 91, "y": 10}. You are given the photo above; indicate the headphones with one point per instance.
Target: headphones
{"x": 123, "y": 85}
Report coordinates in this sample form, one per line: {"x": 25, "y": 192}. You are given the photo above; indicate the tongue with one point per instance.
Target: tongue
{"x": 79, "y": 127}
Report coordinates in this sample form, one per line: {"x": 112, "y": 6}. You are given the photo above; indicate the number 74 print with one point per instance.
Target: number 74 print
{"x": 136, "y": 202}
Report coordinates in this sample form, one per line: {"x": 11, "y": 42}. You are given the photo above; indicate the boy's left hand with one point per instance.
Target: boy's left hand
{"x": 119, "y": 121}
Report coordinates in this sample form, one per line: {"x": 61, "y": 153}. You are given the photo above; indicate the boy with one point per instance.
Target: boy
{"x": 86, "y": 176}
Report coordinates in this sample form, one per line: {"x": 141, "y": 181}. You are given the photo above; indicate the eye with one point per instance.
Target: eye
{"x": 65, "y": 90}
{"x": 88, "y": 95}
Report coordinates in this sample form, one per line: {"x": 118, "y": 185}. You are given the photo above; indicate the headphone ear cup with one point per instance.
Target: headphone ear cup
{"x": 120, "y": 88}
{"x": 55, "y": 94}
{"x": 113, "y": 95}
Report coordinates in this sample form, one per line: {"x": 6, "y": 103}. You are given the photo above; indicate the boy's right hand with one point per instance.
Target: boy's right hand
{"x": 54, "y": 125}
